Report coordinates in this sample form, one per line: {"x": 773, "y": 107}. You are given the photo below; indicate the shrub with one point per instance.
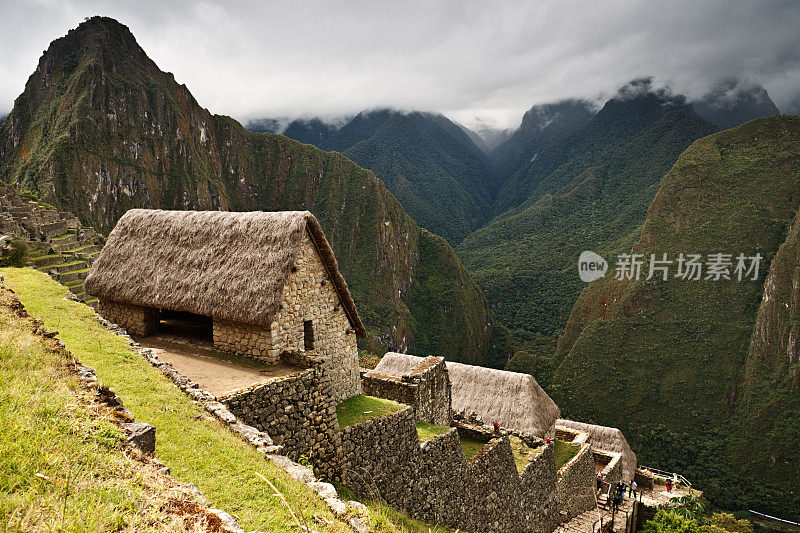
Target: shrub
{"x": 14, "y": 253}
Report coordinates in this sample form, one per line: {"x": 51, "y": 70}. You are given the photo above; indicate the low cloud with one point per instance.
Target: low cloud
{"x": 471, "y": 60}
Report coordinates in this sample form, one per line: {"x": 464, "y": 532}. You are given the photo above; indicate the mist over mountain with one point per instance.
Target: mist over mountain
{"x": 588, "y": 190}
{"x": 541, "y": 125}
{"x": 733, "y": 102}
{"x": 100, "y": 129}
{"x": 427, "y": 161}
{"x": 490, "y": 136}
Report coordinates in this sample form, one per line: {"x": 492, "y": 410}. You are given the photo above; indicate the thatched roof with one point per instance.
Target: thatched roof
{"x": 230, "y": 266}
{"x": 514, "y": 400}
{"x": 609, "y": 439}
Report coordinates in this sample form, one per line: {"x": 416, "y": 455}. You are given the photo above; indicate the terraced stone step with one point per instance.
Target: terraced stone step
{"x": 72, "y": 275}
{"x": 45, "y": 261}
{"x": 84, "y": 251}
{"x": 74, "y": 284}
{"x": 91, "y": 302}
{"x": 69, "y": 266}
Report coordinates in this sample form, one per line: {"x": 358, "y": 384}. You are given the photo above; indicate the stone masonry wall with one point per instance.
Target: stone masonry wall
{"x": 576, "y": 484}
{"x": 137, "y": 320}
{"x": 426, "y": 388}
{"x": 297, "y": 412}
{"x": 244, "y": 339}
{"x": 310, "y": 295}
{"x": 434, "y": 482}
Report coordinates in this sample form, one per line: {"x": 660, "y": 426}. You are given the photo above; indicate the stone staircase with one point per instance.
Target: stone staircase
{"x": 57, "y": 243}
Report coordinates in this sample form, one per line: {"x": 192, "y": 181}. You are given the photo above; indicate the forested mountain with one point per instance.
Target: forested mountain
{"x": 541, "y": 126}
{"x": 2, "y": 119}
{"x": 428, "y": 162}
{"x": 703, "y": 376}
{"x": 588, "y": 190}
{"x": 99, "y": 129}
{"x": 733, "y": 102}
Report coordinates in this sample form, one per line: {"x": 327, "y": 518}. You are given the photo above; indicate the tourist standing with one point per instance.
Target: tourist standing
{"x": 633, "y": 488}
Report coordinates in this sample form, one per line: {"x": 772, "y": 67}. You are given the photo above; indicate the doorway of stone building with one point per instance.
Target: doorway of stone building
{"x": 189, "y": 326}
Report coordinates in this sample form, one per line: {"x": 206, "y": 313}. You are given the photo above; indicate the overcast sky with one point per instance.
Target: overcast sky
{"x": 482, "y": 59}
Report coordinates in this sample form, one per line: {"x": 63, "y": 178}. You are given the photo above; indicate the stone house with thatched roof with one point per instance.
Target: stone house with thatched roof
{"x": 514, "y": 400}
{"x": 267, "y": 282}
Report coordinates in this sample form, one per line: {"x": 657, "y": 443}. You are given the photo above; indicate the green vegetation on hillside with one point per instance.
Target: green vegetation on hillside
{"x": 429, "y": 163}
{"x": 100, "y": 129}
{"x": 63, "y": 465}
{"x": 670, "y": 362}
{"x": 587, "y": 191}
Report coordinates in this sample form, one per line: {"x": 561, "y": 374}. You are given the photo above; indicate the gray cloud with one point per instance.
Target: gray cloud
{"x": 468, "y": 59}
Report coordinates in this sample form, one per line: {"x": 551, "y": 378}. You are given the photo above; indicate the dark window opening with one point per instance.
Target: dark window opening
{"x": 308, "y": 335}
{"x": 188, "y": 325}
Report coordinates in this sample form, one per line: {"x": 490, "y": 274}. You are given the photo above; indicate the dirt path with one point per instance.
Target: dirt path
{"x": 204, "y": 365}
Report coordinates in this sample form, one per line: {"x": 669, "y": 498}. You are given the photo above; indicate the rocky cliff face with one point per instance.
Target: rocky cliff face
{"x": 100, "y": 129}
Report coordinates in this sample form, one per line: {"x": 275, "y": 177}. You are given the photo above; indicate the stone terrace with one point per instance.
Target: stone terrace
{"x": 57, "y": 243}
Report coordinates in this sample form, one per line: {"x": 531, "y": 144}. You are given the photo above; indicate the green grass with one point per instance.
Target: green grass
{"x": 471, "y": 446}
{"x": 564, "y": 451}
{"x": 427, "y": 431}
{"x": 523, "y": 454}
{"x": 361, "y": 408}
{"x": 196, "y": 447}
{"x": 389, "y": 519}
{"x": 63, "y": 468}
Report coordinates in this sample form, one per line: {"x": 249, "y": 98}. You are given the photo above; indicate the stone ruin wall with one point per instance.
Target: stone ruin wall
{"x": 435, "y": 483}
{"x": 612, "y": 472}
{"x": 244, "y": 339}
{"x": 577, "y": 483}
{"x": 297, "y": 412}
{"x": 426, "y": 388}
{"x": 135, "y": 319}
{"x": 309, "y": 294}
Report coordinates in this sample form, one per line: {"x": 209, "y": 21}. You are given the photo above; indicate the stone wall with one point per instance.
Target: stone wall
{"x": 426, "y": 388}
{"x": 612, "y": 471}
{"x": 577, "y": 483}
{"x": 136, "y": 320}
{"x": 309, "y": 295}
{"x": 434, "y": 482}
{"x": 296, "y": 411}
{"x": 244, "y": 339}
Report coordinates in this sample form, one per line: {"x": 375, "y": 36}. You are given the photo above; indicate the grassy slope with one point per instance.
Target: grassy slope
{"x": 664, "y": 361}
{"x": 62, "y": 466}
{"x": 109, "y": 131}
{"x": 196, "y": 447}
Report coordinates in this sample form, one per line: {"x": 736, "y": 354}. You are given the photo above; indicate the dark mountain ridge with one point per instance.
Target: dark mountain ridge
{"x": 99, "y": 129}
{"x": 427, "y": 161}
{"x": 588, "y": 190}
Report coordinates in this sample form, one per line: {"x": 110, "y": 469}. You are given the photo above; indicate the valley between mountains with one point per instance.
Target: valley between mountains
{"x": 464, "y": 244}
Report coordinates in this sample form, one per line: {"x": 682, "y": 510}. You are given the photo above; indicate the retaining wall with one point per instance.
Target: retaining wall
{"x": 434, "y": 482}
{"x": 297, "y": 412}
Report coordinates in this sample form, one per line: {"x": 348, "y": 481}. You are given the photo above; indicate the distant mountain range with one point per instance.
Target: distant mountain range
{"x": 427, "y": 161}
{"x": 100, "y": 129}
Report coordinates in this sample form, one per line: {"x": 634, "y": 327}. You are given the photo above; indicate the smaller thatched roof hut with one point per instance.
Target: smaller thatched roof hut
{"x": 514, "y": 400}
{"x": 227, "y": 265}
{"x": 609, "y": 439}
